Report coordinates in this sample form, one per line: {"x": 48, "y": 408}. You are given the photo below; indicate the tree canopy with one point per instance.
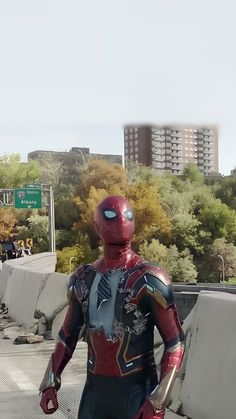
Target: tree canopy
{"x": 14, "y": 173}
{"x": 7, "y": 222}
{"x": 181, "y": 223}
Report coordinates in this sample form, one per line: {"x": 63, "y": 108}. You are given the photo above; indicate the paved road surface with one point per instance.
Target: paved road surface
{"x": 21, "y": 371}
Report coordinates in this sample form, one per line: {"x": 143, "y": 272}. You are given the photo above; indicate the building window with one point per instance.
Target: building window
{"x": 131, "y": 136}
{"x": 135, "y": 135}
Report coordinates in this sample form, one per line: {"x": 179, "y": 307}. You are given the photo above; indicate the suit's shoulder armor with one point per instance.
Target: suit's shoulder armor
{"x": 76, "y": 278}
{"x": 158, "y": 284}
{"x": 155, "y": 270}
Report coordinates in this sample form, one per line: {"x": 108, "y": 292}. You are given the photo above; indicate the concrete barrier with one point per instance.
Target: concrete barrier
{"x": 57, "y": 322}
{"x": 185, "y": 301}
{"x": 42, "y": 262}
{"x": 171, "y": 415}
{"x": 22, "y": 293}
{"x": 22, "y": 281}
{"x": 208, "y": 389}
{"x": 46, "y": 260}
{"x": 4, "y": 275}
{"x": 186, "y": 295}
{"x": 53, "y": 297}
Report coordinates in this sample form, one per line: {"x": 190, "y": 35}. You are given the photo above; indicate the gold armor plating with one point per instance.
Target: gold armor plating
{"x": 161, "y": 394}
{"x": 159, "y": 298}
{"x": 49, "y": 379}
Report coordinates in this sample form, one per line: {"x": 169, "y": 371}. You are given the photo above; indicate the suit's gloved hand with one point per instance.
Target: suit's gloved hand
{"x": 49, "y": 396}
{"x": 146, "y": 411}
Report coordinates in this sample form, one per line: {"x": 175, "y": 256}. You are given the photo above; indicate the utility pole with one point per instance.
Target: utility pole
{"x": 51, "y": 222}
{"x": 223, "y": 267}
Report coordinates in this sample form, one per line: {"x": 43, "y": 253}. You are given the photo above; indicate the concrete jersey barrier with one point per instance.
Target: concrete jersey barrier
{"x": 21, "y": 283}
{"x": 208, "y": 388}
{"x": 53, "y": 297}
{"x": 42, "y": 262}
{"x": 22, "y": 293}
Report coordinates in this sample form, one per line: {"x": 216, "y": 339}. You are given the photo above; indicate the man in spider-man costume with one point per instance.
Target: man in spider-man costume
{"x": 117, "y": 301}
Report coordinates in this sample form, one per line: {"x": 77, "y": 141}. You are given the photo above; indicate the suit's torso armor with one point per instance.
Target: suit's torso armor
{"x": 129, "y": 346}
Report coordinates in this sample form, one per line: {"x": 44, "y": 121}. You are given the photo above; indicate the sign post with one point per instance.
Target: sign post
{"x": 51, "y": 218}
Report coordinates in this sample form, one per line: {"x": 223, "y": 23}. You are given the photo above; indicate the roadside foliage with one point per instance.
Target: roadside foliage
{"x": 182, "y": 223}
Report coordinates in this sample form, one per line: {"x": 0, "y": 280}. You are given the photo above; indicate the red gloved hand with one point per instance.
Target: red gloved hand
{"x": 49, "y": 396}
{"x": 146, "y": 411}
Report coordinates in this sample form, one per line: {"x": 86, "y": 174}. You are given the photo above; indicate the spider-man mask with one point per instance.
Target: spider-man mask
{"x": 114, "y": 220}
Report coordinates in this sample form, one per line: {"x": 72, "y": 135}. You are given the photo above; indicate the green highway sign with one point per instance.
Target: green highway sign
{"x": 28, "y": 198}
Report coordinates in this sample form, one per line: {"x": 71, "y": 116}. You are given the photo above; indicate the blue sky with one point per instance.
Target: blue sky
{"x": 72, "y": 73}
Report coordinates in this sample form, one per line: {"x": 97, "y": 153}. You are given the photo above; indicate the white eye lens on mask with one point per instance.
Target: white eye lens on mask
{"x": 110, "y": 215}
{"x": 129, "y": 215}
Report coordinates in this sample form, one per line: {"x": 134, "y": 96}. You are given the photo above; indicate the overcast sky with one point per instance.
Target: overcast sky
{"x": 72, "y": 73}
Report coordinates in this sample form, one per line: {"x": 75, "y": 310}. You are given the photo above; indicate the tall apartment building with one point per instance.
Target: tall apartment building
{"x": 170, "y": 148}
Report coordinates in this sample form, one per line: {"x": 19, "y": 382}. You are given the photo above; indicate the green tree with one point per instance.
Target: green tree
{"x": 37, "y": 230}
{"x": 103, "y": 175}
{"x": 211, "y": 269}
{"x": 71, "y": 257}
{"x": 67, "y": 214}
{"x": 151, "y": 220}
{"x": 185, "y": 227}
{"x": 226, "y": 191}
{"x": 193, "y": 174}
{"x": 219, "y": 220}
{"x": 66, "y": 238}
{"x": 14, "y": 173}
{"x": 137, "y": 172}
{"x": 179, "y": 265}
{"x": 154, "y": 251}
{"x": 7, "y": 222}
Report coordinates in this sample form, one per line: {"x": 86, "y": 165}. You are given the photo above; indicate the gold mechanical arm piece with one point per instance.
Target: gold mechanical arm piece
{"x": 161, "y": 394}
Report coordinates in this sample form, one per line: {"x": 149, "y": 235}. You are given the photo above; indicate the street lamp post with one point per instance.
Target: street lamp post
{"x": 223, "y": 267}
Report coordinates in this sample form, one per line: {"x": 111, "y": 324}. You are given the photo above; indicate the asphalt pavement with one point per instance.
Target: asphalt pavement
{"x": 21, "y": 371}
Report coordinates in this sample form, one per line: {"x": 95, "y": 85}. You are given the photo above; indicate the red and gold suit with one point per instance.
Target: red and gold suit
{"x": 115, "y": 304}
